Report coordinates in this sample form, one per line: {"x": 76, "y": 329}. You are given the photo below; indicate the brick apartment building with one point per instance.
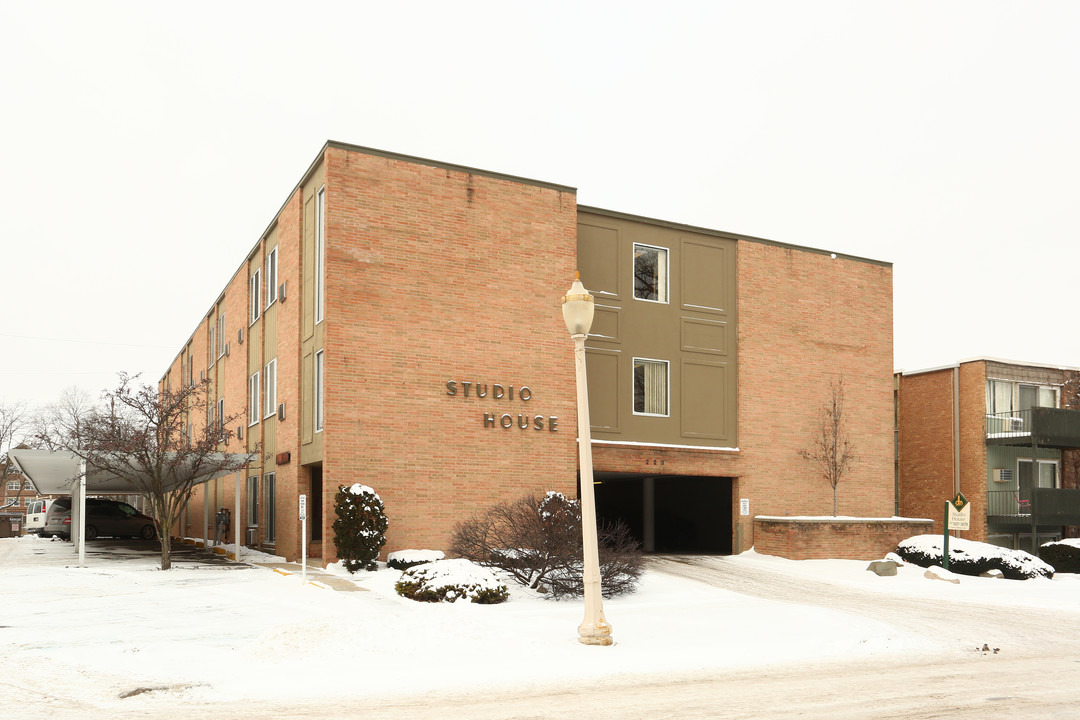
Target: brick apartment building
{"x": 996, "y": 431}
{"x": 398, "y": 324}
{"x": 16, "y": 494}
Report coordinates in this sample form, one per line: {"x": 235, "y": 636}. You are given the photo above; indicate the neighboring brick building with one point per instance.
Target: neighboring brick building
{"x": 398, "y": 324}
{"x": 16, "y": 493}
{"x": 982, "y": 427}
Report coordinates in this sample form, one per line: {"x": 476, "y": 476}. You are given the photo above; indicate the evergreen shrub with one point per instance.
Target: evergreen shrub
{"x": 360, "y": 528}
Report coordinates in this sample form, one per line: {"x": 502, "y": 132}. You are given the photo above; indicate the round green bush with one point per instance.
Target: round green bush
{"x": 450, "y": 581}
{"x": 360, "y": 528}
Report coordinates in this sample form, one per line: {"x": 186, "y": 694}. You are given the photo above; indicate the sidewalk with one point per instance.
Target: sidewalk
{"x": 314, "y": 576}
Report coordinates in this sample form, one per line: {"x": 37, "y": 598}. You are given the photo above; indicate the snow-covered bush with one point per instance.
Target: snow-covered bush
{"x": 360, "y": 528}
{"x": 968, "y": 557}
{"x": 405, "y": 559}
{"x": 449, "y": 581}
{"x": 537, "y": 541}
{"x": 1064, "y": 555}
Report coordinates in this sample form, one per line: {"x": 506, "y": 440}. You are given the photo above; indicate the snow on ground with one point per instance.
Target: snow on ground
{"x": 212, "y": 633}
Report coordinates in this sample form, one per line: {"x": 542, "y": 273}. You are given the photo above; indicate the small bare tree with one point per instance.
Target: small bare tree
{"x": 831, "y": 452}
{"x": 139, "y": 434}
{"x": 14, "y": 425}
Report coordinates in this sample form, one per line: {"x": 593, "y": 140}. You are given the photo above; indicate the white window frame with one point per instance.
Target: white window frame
{"x": 319, "y": 375}
{"x": 212, "y": 345}
{"x": 255, "y": 296}
{"x": 1037, "y": 470}
{"x": 27, "y": 485}
{"x": 320, "y": 253}
{"x": 663, "y": 274}
{"x": 667, "y": 388}
{"x": 253, "y": 399}
{"x": 221, "y": 418}
{"x": 270, "y": 388}
{"x": 12, "y": 485}
{"x": 221, "y": 335}
{"x": 191, "y": 370}
{"x": 271, "y": 277}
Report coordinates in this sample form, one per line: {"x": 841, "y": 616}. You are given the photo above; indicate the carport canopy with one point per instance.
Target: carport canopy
{"x": 61, "y": 472}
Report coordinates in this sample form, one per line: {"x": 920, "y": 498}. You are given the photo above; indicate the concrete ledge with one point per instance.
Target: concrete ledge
{"x": 821, "y": 537}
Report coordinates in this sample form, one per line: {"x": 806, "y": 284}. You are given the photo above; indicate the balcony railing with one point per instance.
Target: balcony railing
{"x": 1044, "y": 427}
{"x": 1006, "y": 503}
{"x": 1052, "y": 506}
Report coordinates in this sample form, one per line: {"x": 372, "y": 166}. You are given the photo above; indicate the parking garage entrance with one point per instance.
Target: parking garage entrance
{"x": 669, "y": 513}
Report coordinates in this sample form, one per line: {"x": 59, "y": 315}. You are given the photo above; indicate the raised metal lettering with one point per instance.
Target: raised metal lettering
{"x": 497, "y": 391}
{"x": 506, "y": 421}
{"x": 489, "y": 419}
{"x": 553, "y": 423}
{"x": 478, "y": 392}
{"x": 538, "y": 422}
{"x": 524, "y": 393}
{"x": 451, "y": 387}
{"x": 466, "y": 387}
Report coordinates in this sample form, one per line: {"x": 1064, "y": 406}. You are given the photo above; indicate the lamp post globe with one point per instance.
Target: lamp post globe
{"x": 577, "y": 308}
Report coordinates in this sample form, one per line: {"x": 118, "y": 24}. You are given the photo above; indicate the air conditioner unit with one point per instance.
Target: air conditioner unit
{"x": 281, "y": 411}
{"x": 202, "y": 375}
{"x": 239, "y": 432}
{"x": 226, "y": 349}
{"x": 1013, "y": 424}
{"x": 281, "y": 292}
{"x": 240, "y": 336}
{"x": 1003, "y": 475}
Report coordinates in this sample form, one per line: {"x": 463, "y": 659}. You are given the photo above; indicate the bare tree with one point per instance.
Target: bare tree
{"x": 14, "y": 429}
{"x": 141, "y": 434}
{"x": 831, "y": 451}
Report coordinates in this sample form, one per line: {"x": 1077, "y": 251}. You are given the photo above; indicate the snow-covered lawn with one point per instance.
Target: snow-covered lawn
{"x": 219, "y": 634}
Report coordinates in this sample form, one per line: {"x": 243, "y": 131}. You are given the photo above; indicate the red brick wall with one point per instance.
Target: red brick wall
{"x": 805, "y": 320}
{"x": 437, "y": 275}
{"x": 925, "y": 444}
{"x": 804, "y": 539}
{"x": 973, "y": 479}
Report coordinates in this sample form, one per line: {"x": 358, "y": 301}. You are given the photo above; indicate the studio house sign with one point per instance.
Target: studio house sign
{"x": 495, "y": 392}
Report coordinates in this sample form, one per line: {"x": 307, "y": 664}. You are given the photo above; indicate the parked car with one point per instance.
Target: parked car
{"x": 109, "y": 518}
{"x": 35, "y": 516}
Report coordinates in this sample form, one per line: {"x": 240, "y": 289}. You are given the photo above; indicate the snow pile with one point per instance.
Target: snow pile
{"x": 1064, "y": 555}
{"x": 405, "y": 559}
{"x": 451, "y": 580}
{"x": 968, "y": 557}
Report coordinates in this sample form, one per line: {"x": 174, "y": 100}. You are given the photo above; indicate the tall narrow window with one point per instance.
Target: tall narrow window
{"x": 253, "y": 399}
{"x": 650, "y": 387}
{"x": 320, "y": 252}
{"x": 269, "y": 508}
{"x": 255, "y": 295}
{"x": 220, "y": 419}
{"x": 191, "y": 370}
{"x": 650, "y": 273}
{"x": 210, "y": 418}
{"x": 221, "y": 334}
{"x": 211, "y": 343}
{"x": 318, "y": 391}
{"x": 253, "y": 501}
{"x": 271, "y": 277}
{"x": 270, "y": 388}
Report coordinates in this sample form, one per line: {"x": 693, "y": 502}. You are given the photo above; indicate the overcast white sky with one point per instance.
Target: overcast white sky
{"x": 145, "y": 146}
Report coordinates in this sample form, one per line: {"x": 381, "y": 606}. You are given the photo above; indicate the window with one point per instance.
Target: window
{"x": 270, "y": 388}
{"x": 191, "y": 370}
{"x": 211, "y": 345}
{"x": 253, "y": 501}
{"x": 269, "y": 508}
{"x": 650, "y": 273}
{"x": 271, "y": 277}
{"x": 210, "y": 416}
{"x": 253, "y": 399}
{"x": 221, "y": 418}
{"x": 27, "y": 485}
{"x": 254, "y": 296}
{"x": 13, "y": 485}
{"x": 320, "y": 252}
{"x": 650, "y": 387}
{"x": 221, "y": 334}
{"x": 318, "y": 391}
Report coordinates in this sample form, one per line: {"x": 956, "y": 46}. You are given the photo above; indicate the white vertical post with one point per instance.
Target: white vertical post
{"x": 303, "y": 539}
{"x": 236, "y": 515}
{"x": 82, "y": 513}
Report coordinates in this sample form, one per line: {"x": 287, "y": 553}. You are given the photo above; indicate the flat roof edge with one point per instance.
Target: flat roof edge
{"x": 728, "y": 235}
{"x": 448, "y": 166}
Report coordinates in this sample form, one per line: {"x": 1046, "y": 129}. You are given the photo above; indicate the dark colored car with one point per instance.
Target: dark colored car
{"x": 110, "y": 518}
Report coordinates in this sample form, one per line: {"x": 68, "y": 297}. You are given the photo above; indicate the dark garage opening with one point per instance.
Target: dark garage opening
{"x": 669, "y": 513}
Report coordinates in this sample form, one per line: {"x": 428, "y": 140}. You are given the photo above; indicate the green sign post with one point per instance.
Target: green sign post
{"x": 957, "y": 517}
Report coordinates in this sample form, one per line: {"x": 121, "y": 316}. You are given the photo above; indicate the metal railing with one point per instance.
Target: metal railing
{"x": 1008, "y": 424}
{"x": 1006, "y": 503}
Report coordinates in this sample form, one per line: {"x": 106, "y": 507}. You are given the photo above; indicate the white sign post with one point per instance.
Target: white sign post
{"x": 303, "y": 539}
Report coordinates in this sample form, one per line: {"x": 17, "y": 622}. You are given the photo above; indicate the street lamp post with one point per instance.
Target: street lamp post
{"x": 577, "y": 311}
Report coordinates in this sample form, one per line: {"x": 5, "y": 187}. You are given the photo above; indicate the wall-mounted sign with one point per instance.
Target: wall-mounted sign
{"x": 744, "y": 506}
{"x": 503, "y": 393}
